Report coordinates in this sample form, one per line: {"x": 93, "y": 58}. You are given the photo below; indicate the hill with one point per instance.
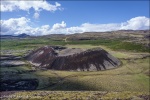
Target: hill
{"x": 61, "y": 58}
{"x": 23, "y": 35}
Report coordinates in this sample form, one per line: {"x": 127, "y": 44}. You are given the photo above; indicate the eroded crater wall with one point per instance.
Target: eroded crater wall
{"x": 72, "y": 59}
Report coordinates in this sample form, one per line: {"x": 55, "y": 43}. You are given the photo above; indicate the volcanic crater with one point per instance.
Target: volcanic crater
{"x": 72, "y": 59}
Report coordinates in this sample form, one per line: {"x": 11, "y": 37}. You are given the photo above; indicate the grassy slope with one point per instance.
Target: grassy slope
{"x": 129, "y": 77}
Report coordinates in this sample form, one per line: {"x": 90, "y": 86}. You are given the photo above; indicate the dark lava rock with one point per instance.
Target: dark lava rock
{"x": 58, "y": 47}
{"x": 73, "y": 59}
{"x": 11, "y": 63}
{"x": 18, "y": 84}
{"x": 9, "y": 57}
{"x": 147, "y": 36}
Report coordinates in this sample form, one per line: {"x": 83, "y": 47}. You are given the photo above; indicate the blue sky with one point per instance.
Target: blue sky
{"x": 78, "y": 12}
{"x": 67, "y": 17}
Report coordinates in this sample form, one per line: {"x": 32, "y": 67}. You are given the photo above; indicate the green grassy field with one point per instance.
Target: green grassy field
{"x": 115, "y": 44}
{"x": 129, "y": 80}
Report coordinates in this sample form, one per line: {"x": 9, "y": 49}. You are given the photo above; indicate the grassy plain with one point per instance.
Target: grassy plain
{"x": 114, "y": 44}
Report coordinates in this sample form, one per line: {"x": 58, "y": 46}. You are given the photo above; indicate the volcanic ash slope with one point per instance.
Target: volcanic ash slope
{"x": 62, "y": 58}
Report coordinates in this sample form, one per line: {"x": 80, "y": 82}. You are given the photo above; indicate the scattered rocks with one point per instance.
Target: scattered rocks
{"x": 9, "y": 57}
{"x": 145, "y": 97}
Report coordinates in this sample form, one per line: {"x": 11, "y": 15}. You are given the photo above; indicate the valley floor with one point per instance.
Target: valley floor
{"x": 130, "y": 81}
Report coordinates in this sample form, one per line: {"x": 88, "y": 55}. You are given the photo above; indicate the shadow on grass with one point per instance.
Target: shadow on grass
{"x": 70, "y": 85}
{"x": 45, "y": 84}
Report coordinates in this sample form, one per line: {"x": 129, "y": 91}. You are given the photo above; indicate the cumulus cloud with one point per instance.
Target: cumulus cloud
{"x": 59, "y": 25}
{"x": 9, "y": 6}
{"x": 76, "y": 29}
{"x": 26, "y": 5}
{"x": 36, "y": 15}
{"x": 14, "y": 25}
{"x": 22, "y": 25}
{"x": 136, "y": 23}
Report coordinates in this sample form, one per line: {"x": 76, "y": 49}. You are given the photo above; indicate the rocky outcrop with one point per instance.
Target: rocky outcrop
{"x": 11, "y": 63}
{"x": 18, "y": 84}
{"x": 73, "y": 59}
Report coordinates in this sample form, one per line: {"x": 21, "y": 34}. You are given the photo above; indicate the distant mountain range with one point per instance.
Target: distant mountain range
{"x": 87, "y": 35}
{"x": 23, "y": 35}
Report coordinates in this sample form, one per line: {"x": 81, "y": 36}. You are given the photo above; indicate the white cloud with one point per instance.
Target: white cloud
{"x": 58, "y": 4}
{"x": 14, "y": 25}
{"x": 59, "y": 25}
{"x": 26, "y": 5}
{"x": 75, "y": 30}
{"x": 9, "y": 6}
{"x": 136, "y": 23}
{"x": 22, "y": 25}
{"x": 99, "y": 27}
{"x": 36, "y": 15}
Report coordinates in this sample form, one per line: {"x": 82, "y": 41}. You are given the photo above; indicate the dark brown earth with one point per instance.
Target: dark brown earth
{"x": 61, "y": 58}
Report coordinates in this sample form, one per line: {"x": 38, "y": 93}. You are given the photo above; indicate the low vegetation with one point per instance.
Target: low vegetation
{"x": 77, "y": 95}
{"x": 129, "y": 81}
{"x": 115, "y": 44}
